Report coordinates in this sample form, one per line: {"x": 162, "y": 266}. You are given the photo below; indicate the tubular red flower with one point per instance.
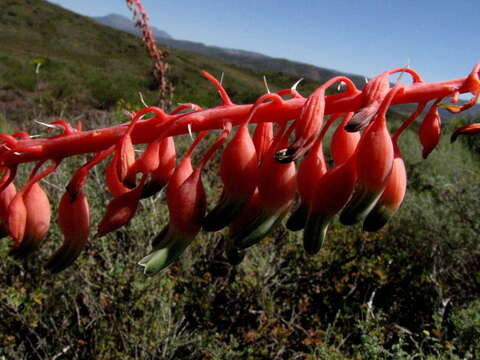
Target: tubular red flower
{"x": 17, "y": 218}
{"x": 126, "y": 158}
{"x": 239, "y": 157}
{"x": 6, "y": 197}
{"x": 166, "y": 166}
{"x": 276, "y": 188}
{"x": 430, "y": 130}
{"x": 374, "y": 161}
{"x": 120, "y": 210}
{"x": 333, "y": 189}
{"x": 343, "y": 143}
{"x": 186, "y": 205}
{"x": 74, "y": 222}
{"x": 181, "y": 173}
{"x": 372, "y": 96}
{"x": 331, "y": 193}
{"x": 391, "y": 198}
{"x": 37, "y": 220}
{"x": 309, "y": 124}
{"x": 311, "y": 169}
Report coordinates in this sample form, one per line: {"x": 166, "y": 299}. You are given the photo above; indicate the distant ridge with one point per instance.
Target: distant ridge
{"x": 256, "y": 61}
{"x": 242, "y": 58}
{"x": 123, "y": 23}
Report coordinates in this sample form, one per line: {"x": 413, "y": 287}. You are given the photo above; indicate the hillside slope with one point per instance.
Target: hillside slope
{"x": 60, "y": 61}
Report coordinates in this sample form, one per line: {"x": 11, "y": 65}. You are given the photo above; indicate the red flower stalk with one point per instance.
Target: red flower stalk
{"x": 20, "y": 151}
{"x": 156, "y": 54}
{"x": 261, "y": 166}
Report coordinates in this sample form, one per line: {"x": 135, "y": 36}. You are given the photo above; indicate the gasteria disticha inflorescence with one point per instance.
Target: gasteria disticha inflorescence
{"x": 262, "y": 172}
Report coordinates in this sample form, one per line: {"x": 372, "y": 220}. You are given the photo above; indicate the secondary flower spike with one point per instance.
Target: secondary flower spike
{"x": 258, "y": 173}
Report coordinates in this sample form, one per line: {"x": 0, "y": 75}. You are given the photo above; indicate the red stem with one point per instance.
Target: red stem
{"x": 147, "y": 131}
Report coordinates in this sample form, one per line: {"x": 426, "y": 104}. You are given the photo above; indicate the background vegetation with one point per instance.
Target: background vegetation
{"x": 408, "y": 291}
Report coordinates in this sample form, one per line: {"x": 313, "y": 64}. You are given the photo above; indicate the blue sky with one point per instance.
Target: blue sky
{"x": 440, "y": 38}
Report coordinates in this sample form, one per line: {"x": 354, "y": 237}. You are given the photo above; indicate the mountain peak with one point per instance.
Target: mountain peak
{"x": 124, "y": 23}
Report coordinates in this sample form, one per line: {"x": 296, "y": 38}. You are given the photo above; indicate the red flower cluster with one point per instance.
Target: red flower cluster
{"x": 367, "y": 181}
